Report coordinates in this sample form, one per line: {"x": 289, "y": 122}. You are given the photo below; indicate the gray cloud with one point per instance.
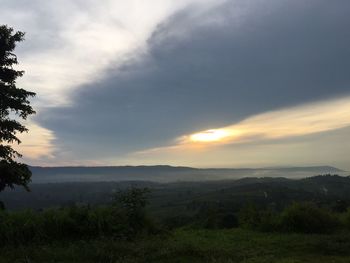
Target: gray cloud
{"x": 210, "y": 70}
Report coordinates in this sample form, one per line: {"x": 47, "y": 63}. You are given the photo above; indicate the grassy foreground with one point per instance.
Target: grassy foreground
{"x": 189, "y": 245}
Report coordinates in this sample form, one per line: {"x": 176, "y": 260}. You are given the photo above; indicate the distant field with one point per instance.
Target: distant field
{"x": 182, "y": 245}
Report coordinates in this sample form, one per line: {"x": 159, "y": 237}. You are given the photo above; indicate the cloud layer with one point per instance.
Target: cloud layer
{"x": 71, "y": 42}
{"x": 201, "y": 68}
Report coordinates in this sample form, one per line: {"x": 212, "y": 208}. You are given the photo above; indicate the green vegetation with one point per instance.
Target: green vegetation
{"x": 308, "y": 218}
{"x": 123, "y": 231}
{"x": 188, "y": 245}
{"x": 124, "y": 219}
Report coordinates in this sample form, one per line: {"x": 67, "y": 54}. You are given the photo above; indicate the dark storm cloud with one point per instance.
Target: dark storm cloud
{"x": 211, "y": 70}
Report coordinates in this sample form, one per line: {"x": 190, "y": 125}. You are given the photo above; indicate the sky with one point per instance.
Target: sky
{"x": 204, "y": 83}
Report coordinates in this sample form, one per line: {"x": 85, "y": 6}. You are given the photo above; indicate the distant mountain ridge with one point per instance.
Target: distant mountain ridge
{"x": 166, "y": 173}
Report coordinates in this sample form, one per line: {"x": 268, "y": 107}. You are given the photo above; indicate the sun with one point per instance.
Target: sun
{"x": 209, "y": 136}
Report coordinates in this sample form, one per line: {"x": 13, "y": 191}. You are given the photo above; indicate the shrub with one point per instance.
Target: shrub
{"x": 177, "y": 221}
{"x": 125, "y": 220}
{"x": 269, "y": 221}
{"x": 307, "y": 218}
{"x": 228, "y": 220}
{"x": 249, "y": 217}
{"x": 347, "y": 219}
{"x": 211, "y": 217}
{"x": 61, "y": 224}
{"x": 263, "y": 220}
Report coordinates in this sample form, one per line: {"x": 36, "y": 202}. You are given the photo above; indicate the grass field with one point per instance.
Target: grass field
{"x": 189, "y": 245}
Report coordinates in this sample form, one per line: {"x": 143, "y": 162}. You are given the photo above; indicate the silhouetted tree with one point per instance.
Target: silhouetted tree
{"x": 14, "y": 105}
{"x": 133, "y": 202}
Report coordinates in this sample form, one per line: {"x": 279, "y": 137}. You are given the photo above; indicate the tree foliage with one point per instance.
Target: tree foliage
{"x": 132, "y": 203}
{"x": 14, "y": 106}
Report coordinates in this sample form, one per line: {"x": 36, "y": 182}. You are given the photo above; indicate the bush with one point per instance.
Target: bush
{"x": 347, "y": 219}
{"x": 249, "y": 217}
{"x": 307, "y": 218}
{"x": 263, "y": 220}
{"x": 228, "y": 220}
{"x": 173, "y": 222}
{"x": 125, "y": 219}
{"x": 212, "y": 217}
{"x": 60, "y": 224}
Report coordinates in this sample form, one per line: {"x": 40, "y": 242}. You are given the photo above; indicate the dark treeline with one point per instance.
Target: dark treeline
{"x": 188, "y": 197}
{"x": 127, "y": 218}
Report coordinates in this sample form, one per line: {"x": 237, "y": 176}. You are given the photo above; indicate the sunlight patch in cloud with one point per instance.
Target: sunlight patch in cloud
{"x": 211, "y": 135}
{"x": 296, "y": 121}
{"x": 311, "y": 134}
{"x": 290, "y": 122}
